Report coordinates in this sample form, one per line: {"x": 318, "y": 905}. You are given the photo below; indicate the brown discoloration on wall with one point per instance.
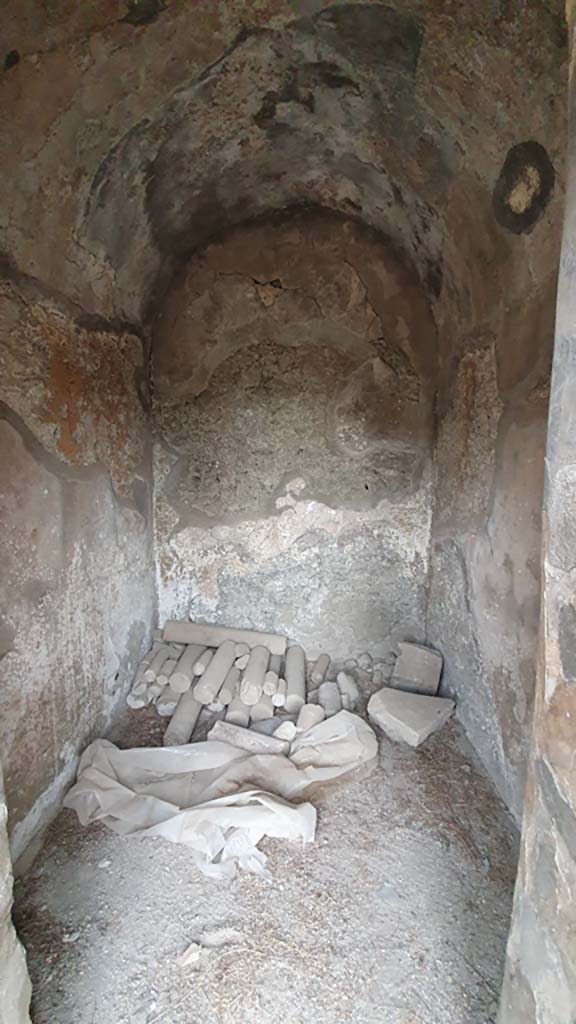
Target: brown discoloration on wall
{"x": 78, "y": 388}
{"x": 77, "y": 584}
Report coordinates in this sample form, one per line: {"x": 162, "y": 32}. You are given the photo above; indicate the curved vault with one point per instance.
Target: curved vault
{"x": 436, "y": 126}
{"x": 362, "y": 109}
{"x": 409, "y": 123}
{"x": 440, "y": 127}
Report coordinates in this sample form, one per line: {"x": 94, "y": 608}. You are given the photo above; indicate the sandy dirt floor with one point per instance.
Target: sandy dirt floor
{"x": 397, "y": 914}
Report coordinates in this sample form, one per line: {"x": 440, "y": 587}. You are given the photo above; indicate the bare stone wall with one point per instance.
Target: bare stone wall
{"x": 540, "y": 979}
{"x": 135, "y": 137}
{"x": 76, "y": 588}
{"x": 293, "y": 369}
{"x": 493, "y": 390}
{"x": 485, "y": 575}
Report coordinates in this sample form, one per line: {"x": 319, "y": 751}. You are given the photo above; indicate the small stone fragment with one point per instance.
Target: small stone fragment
{"x": 167, "y": 702}
{"x": 321, "y": 666}
{"x": 275, "y": 663}
{"x": 181, "y": 725}
{"x": 295, "y": 673}
{"x": 263, "y": 709}
{"x": 270, "y": 684}
{"x": 330, "y": 699}
{"x": 349, "y": 690}
{"x": 229, "y": 687}
{"x": 182, "y": 676}
{"x": 365, "y": 661}
{"x": 213, "y": 677}
{"x": 309, "y": 716}
{"x": 279, "y": 698}
{"x": 285, "y": 731}
{"x": 201, "y": 664}
{"x": 237, "y": 712}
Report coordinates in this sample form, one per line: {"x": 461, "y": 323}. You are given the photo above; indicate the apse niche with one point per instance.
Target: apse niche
{"x": 293, "y": 375}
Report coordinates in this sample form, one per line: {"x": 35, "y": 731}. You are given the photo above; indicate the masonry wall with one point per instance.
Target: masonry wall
{"x": 293, "y": 382}
{"x": 540, "y": 981}
{"x": 76, "y": 590}
{"x": 139, "y": 132}
{"x": 496, "y": 331}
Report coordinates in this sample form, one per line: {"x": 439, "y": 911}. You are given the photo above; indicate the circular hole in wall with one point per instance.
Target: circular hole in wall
{"x": 524, "y": 187}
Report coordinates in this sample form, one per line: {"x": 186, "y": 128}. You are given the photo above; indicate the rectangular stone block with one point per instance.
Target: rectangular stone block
{"x": 409, "y": 717}
{"x": 417, "y": 669}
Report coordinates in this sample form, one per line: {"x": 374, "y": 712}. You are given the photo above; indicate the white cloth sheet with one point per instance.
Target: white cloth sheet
{"x": 217, "y": 799}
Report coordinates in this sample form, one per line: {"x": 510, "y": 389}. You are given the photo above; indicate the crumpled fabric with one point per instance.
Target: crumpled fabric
{"x": 217, "y": 799}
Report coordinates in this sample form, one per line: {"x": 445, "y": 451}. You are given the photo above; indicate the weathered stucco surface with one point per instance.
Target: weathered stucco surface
{"x": 77, "y": 593}
{"x": 540, "y": 980}
{"x": 138, "y": 136}
{"x": 293, "y": 367}
{"x": 485, "y": 561}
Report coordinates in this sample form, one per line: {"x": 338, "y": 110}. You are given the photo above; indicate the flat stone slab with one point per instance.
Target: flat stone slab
{"x": 417, "y": 669}
{"x": 409, "y": 717}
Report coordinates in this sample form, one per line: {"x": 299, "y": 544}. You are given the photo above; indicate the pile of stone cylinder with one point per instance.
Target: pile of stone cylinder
{"x": 243, "y": 677}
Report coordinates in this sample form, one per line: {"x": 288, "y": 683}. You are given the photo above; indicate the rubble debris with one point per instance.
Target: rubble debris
{"x": 349, "y": 692}
{"x": 275, "y": 663}
{"x": 309, "y": 716}
{"x": 166, "y": 703}
{"x": 295, "y": 674}
{"x": 229, "y": 687}
{"x": 183, "y": 674}
{"x": 286, "y": 731}
{"x": 163, "y": 653}
{"x": 181, "y": 725}
{"x": 417, "y": 669}
{"x": 409, "y": 717}
{"x": 268, "y": 726}
{"x": 320, "y": 669}
{"x": 365, "y": 661}
{"x": 270, "y": 684}
{"x": 201, "y": 663}
{"x": 262, "y": 710}
{"x": 253, "y": 679}
{"x": 237, "y": 712}
{"x": 191, "y": 956}
{"x": 279, "y": 698}
{"x": 213, "y": 636}
{"x": 252, "y": 689}
{"x": 213, "y": 677}
{"x": 330, "y": 699}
